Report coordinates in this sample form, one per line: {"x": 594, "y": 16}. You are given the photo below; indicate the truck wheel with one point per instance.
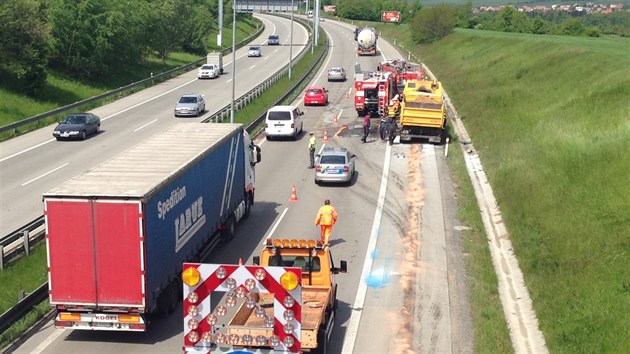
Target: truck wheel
{"x": 248, "y": 205}
{"x": 228, "y": 233}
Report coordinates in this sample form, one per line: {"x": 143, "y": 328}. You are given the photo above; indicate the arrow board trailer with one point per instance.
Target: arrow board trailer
{"x": 118, "y": 234}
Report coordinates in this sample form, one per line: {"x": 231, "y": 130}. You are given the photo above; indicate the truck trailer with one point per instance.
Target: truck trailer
{"x": 118, "y": 234}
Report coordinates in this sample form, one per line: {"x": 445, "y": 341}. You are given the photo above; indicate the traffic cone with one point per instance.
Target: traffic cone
{"x": 325, "y": 136}
{"x": 294, "y": 197}
{"x": 335, "y": 120}
{"x": 347, "y": 95}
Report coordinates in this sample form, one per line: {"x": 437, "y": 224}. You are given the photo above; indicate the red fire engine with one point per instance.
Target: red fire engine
{"x": 372, "y": 92}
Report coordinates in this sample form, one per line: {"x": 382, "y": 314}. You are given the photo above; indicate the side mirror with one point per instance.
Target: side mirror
{"x": 343, "y": 268}
{"x": 258, "y": 154}
{"x": 301, "y": 113}
{"x": 353, "y": 156}
{"x": 256, "y": 260}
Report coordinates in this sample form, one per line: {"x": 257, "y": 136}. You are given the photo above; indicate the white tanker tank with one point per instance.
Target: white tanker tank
{"x": 366, "y": 39}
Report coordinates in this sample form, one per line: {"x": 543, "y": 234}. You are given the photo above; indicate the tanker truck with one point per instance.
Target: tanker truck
{"x": 366, "y": 39}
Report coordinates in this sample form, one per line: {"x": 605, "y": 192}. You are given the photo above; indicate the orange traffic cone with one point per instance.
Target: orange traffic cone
{"x": 325, "y": 136}
{"x": 335, "y": 120}
{"x": 294, "y": 197}
{"x": 347, "y": 95}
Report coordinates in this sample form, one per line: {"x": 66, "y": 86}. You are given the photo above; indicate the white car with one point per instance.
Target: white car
{"x": 254, "y": 51}
{"x": 208, "y": 71}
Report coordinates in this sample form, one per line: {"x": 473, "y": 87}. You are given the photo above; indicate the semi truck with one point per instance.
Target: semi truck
{"x": 422, "y": 112}
{"x": 366, "y": 41}
{"x": 118, "y": 234}
{"x": 284, "y": 303}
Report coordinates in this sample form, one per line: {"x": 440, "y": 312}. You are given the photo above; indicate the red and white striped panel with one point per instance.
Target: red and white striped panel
{"x": 212, "y": 282}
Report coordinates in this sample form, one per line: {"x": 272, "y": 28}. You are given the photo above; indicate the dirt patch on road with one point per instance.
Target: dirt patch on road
{"x": 409, "y": 267}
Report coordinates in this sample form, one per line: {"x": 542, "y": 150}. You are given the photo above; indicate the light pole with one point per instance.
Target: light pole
{"x": 291, "y": 43}
{"x": 220, "y": 35}
{"x": 233, "y": 59}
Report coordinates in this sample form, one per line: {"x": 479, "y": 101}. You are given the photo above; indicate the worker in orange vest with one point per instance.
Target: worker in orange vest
{"x": 326, "y": 218}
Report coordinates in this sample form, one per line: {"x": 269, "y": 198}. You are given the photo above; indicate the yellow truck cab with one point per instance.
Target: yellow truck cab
{"x": 422, "y": 112}
{"x": 285, "y": 302}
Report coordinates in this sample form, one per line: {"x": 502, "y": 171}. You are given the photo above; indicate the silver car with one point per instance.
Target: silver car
{"x": 334, "y": 165}
{"x": 254, "y": 51}
{"x": 190, "y": 105}
{"x": 336, "y": 74}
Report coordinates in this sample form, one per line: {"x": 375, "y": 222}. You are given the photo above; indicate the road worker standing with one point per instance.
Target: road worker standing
{"x": 326, "y": 218}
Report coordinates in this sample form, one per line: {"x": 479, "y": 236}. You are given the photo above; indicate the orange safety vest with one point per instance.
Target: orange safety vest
{"x": 327, "y": 215}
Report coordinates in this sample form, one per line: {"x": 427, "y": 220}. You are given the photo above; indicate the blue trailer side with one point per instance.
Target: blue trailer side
{"x": 183, "y": 216}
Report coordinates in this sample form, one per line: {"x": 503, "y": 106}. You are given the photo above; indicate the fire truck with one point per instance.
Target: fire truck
{"x": 403, "y": 70}
{"x": 372, "y": 92}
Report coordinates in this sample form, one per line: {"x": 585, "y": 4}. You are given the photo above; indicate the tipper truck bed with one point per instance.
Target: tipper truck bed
{"x": 118, "y": 234}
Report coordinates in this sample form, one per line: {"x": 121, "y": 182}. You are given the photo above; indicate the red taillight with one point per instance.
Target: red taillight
{"x": 346, "y": 169}
{"x": 318, "y": 168}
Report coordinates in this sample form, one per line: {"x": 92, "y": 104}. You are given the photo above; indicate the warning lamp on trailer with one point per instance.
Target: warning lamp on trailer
{"x": 191, "y": 276}
{"x": 289, "y": 281}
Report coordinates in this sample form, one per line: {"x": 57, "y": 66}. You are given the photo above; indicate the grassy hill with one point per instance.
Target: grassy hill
{"x": 550, "y": 116}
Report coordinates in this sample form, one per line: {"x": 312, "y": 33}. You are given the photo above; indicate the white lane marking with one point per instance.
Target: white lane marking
{"x": 251, "y": 67}
{"x": 332, "y": 44}
{"x": 151, "y": 122}
{"x": 357, "y": 308}
{"x": 339, "y": 115}
{"x": 230, "y": 80}
{"x": 27, "y": 150}
{"x": 46, "y": 174}
{"x": 48, "y": 341}
{"x": 275, "y": 50}
{"x": 265, "y": 58}
{"x": 277, "y": 223}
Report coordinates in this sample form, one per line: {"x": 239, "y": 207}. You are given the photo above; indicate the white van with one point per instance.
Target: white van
{"x": 283, "y": 121}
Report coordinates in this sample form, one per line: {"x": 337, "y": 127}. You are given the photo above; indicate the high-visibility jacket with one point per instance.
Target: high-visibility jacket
{"x": 327, "y": 215}
{"x": 311, "y": 143}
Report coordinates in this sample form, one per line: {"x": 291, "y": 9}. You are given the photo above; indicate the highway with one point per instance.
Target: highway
{"x": 33, "y": 163}
{"x": 405, "y": 288}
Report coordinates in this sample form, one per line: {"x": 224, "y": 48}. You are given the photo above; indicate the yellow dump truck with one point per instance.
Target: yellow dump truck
{"x": 286, "y": 302}
{"x": 422, "y": 112}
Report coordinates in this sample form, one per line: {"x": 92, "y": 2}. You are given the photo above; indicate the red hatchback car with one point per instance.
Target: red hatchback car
{"x": 316, "y": 95}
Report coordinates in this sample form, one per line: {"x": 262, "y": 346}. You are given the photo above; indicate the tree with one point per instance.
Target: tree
{"x": 24, "y": 43}
{"x": 431, "y": 24}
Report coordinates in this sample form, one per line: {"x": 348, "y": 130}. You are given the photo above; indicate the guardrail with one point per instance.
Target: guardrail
{"x": 35, "y": 230}
{"x": 150, "y": 80}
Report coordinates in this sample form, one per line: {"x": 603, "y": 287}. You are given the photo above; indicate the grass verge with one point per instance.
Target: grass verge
{"x": 549, "y": 116}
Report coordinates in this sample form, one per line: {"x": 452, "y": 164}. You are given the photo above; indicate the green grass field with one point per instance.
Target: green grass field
{"x": 550, "y": 116}
{"x": 61, "y": 90}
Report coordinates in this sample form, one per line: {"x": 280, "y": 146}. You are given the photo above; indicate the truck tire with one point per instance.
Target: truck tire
{"x": 228, "y": 233}
{"x": 249, "y": 200}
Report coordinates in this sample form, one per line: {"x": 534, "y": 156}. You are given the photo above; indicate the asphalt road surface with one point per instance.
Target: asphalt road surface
{"x": 405, "y": 290}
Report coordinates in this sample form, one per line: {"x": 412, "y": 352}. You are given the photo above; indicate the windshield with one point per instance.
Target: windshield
{"x": 253, "y": 48}
{"x": 296, "y": 261}
{"x": 206, "y": 67}
{"x": 187, "y": 99}
{"x": 74, "y": 120}
{"x": 314, "y": 92}
{"x": 333, "y": 159}
{"x": 279, "y": 116}
{"x": 336, "y": 70}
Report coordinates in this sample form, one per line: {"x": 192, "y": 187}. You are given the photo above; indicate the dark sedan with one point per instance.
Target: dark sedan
{"x": 77, "y": 126}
